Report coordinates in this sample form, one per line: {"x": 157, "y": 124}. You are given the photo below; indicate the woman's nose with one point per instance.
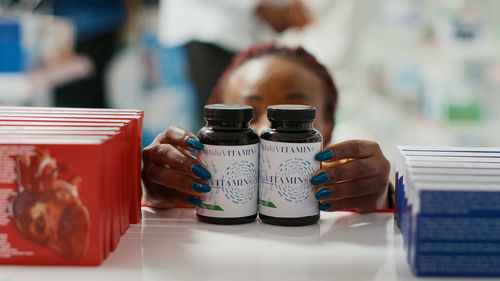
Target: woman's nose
{"x": 261, "y": 124}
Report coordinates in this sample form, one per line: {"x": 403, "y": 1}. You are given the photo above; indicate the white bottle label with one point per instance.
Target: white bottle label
{"x": 284, "y": 182}
{"x": 234, "y": 180}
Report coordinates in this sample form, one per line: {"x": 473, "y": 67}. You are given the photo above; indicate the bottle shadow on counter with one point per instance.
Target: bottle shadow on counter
{"x": 363, "y": 229}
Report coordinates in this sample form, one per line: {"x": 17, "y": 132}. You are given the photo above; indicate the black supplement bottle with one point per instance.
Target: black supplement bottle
{"x": 231, "y": 155}
{"x": 287, "y": 150}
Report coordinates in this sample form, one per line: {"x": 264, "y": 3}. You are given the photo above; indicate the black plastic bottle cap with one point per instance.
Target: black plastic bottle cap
{"x": 228, "y": 112}
{"x": 291, "y": 112}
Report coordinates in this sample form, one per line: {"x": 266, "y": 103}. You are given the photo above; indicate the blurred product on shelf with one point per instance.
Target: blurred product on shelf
{"x": 97, "y": 24}
{"x": 155, "y": 78}
{"x": 69, "y": 183}
{"x": 57, "y": 40}
{"x": 36, "y": 55}
{"x": 31, "y": 41}
{"x": 422, "y": 80}
{"x": 439, "y": 57}
{"x": 11, "y": 58}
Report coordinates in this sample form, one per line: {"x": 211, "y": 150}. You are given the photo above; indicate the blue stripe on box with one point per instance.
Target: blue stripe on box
{"x": 457, "y": 234}
{"x": 396, "y": 199}
{"x": 465, "y": 203}
{"x": 457, "y": 265}
{"x": 400, "y": 201}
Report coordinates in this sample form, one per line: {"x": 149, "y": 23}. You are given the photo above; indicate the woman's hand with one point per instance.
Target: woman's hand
{"x": 283, "y": 16}
{"x": 354, "y": 175}
{"x": 170, "y": 175}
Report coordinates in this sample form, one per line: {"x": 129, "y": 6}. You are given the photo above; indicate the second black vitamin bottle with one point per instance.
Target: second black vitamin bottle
{"x": 231, "y": 154}
{"x": 287, "y": 150}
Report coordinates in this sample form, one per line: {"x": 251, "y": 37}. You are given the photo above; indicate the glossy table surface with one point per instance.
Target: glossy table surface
{"x": 173, "y": 245}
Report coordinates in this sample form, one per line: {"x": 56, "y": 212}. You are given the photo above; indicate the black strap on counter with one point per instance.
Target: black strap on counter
{"x": 390, "y": 195}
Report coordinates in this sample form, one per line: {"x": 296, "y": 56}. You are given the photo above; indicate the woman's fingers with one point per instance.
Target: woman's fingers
{"x": 355, "y": 169}
{"x": 349, "y": 189}
{"x": 347, "y": 150}
{"x": 171, "y": 178}
{"x": 363, "y": 204}
{"x": 356, "y": 177}
{"x": 169, "y": 156}
{"x": 179, "y": 137}
{"x": 162, "y": 197}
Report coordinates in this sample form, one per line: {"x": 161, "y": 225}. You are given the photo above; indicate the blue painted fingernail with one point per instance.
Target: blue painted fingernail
{"x": 324, "y": 155}
{"x": 201, "y": 172}
{"x": 196, "y": 144}
{"x": 319, "y": 178}
{"x": 194, "y": 201}
{"x": 201, "y": 187}
{"x": 322, "y": 194}
{"x": 325, "y": 207}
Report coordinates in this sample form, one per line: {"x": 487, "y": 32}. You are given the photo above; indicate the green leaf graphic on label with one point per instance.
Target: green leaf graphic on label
{"x": 267, "y": 203}
{"x": 211, "y": 207}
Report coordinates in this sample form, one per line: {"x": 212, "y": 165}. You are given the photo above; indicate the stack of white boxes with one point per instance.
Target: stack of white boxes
{"x": 448, "y": 209}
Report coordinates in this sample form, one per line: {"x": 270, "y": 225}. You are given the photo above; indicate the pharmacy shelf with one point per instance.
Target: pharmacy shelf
{"x": 368, "y": 115}
{"x": 35, "y": 87}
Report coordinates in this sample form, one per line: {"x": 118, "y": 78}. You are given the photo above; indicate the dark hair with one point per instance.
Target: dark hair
{"x": 297, "y": 54}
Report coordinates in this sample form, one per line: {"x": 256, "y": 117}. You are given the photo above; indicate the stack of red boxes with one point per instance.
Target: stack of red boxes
{"x": 69, "y": 183}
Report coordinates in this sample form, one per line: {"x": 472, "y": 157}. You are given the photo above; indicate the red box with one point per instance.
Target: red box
{"x": 47, "y": 223}
{"x": 116, "y": 135}
{"x": 65, "y": 128}
{"x": 133, "y": 132}
{"x": 120, "y": 222}
{"x": 115, "y": 217}
{"x": 90, "y": 115}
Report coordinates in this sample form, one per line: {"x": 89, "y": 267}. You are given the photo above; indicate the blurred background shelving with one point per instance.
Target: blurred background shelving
{"x": 34, "y": 87}
{"x": 417, "y": 72}
{"x": 37, "y": 55}
{"x": 427, "y": 73}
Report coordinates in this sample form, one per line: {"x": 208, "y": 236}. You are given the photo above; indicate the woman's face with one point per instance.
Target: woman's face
{"x": 271, "y": 80}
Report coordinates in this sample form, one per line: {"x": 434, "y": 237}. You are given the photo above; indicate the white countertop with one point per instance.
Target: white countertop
{"x": 173, "y": 245}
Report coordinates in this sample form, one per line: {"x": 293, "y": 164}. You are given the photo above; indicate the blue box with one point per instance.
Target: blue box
{"x": 11, "y": 50}
{"x": 448, "y": 210}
